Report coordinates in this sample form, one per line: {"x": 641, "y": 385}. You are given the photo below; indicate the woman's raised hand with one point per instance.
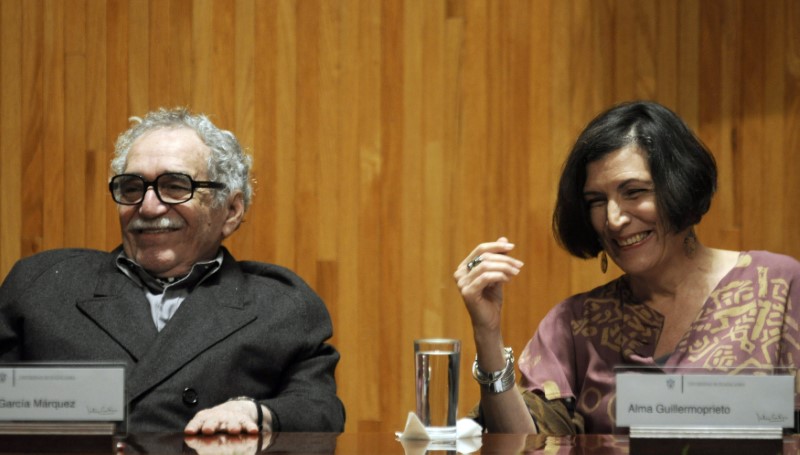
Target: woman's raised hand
{"x": 480, "y": 278}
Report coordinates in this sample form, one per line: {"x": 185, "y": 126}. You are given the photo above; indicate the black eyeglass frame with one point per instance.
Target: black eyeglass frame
{"x": 154, "y": 183}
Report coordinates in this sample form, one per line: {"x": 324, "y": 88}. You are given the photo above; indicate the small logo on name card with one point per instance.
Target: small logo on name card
{"x": 670, "y": 383}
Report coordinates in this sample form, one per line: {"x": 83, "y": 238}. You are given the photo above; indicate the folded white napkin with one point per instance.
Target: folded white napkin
{"x": 417, "y": 439}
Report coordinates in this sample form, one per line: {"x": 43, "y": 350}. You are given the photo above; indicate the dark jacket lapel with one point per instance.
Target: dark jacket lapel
{"x": 213, "y": 311}
{"x": 121, "y": 310}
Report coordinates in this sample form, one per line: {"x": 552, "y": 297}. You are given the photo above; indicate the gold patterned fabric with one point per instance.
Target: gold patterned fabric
{"x": 551, "y": 417}
{"x": 749, "y": 320}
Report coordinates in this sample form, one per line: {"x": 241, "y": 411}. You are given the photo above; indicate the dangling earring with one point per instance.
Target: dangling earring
{"x": 603, "y": 261}
{"x": 690, "y": 243}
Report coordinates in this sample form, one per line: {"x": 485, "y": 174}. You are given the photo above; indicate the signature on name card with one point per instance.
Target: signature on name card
{"x": 771, "y": 418}
{"x": 101, "y": 410}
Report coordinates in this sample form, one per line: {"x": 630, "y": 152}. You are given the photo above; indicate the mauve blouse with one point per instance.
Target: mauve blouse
{"x": 749, "y": 320}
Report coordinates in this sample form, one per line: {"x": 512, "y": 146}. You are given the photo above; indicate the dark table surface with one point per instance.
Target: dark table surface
{"x": 387, "y": 443}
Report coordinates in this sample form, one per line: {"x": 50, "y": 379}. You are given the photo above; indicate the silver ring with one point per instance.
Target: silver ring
{"x": 473, "y": 263}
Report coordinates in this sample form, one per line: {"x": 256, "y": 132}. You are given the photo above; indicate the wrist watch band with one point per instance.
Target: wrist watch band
{"x": 259, "y": 411}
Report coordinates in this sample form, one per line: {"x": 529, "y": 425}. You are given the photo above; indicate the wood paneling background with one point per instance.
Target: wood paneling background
{"x": 392, "y": 136}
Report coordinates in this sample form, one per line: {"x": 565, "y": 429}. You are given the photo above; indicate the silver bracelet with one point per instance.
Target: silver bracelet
{"x": 497, "y": 381}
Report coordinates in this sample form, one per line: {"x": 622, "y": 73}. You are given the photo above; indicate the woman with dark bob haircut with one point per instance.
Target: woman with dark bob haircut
{"x": 633, "y": 187}
{"x": 683, "y": 171}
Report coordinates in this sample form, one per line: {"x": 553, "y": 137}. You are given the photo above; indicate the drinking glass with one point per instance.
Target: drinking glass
{"x": 437, "y": 366}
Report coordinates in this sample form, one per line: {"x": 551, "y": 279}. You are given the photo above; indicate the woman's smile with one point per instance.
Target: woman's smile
{"x": 633, "y": 240}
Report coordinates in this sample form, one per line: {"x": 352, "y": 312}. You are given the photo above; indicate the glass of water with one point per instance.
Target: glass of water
{"x": 436, "y": 363}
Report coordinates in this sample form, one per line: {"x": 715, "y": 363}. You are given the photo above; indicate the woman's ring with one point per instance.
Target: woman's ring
{"x": 473, "y": 263}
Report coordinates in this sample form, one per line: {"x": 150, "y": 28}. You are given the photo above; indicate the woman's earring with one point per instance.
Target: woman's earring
{"x": 603, "y": 261}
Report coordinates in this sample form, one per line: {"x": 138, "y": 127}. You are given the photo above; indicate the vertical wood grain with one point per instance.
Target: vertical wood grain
{"x": 117, "y": 100}
{"x": 307, "y": 153}
{"x": 31, "y": 113}
{"x": 138, "y": 95}
{"x": 75, "y": 124}
{"x": 370, "y": 253}
{"x": 10, "y": 132}
{"x": 54, "y": 136}
{"x": 223, "y": 62}
{"x": 181, "y": 26}
{"x": 769, "y": 98}
{"x": 791, "y": 112}
{"x": 202, "y": 55}
{"x": 390, "y": 259}
{"x": 536, "y": 238}
{"x": 285, "y": 196}
{"x": 243, "y": 104}
{"x": 265, "y": 113}
{"x": 97, "y": 150}
{"x": 161, "y": 54}
{"x": 391, "y": 137}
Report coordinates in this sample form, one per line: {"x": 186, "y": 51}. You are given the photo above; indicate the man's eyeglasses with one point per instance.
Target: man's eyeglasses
{"x": 170, "y": 188}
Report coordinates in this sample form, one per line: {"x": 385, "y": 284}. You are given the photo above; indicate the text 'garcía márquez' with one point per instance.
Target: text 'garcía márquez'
{"x": 38, "y": 403}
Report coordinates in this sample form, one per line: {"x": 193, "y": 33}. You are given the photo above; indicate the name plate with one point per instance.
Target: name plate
{"x": 40, "y": 393}
{"x": 705, "y": 405}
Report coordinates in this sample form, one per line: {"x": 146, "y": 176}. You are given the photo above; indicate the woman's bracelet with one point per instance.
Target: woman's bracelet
{"x": 259, "y": 411}
{"x": 497, "y": 381}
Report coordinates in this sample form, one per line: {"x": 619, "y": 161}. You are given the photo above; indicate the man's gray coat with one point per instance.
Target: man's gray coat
{"x": 250, "y": 329}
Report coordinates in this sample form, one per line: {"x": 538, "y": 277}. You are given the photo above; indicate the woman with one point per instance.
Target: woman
{"x": 633, "y": 187}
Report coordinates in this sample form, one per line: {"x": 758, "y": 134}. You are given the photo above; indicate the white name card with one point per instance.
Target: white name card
{"x": 94, "y": 393}
{"x": 705, "y": 401}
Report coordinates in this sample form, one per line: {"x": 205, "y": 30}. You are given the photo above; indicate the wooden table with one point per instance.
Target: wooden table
{"x": 386, "y": 443}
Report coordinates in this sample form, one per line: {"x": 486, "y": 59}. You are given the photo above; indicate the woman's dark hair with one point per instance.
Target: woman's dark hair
{"x": 684, "y": 171}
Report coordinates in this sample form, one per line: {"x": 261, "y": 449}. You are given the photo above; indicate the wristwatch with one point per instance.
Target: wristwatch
{"x": 259, "y": 411}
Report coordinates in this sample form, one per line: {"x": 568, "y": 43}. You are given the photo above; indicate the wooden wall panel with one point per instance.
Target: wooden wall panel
{"x": 11, "y": 240}
{"x": 789, "y": 112}
{"x": 31, "y": 120}
{"x": 54, "y": 120}
{"x": 97, "y": 151}
{"x": 390, "y": 137}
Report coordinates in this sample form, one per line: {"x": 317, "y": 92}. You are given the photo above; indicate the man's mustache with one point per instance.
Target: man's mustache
{"x": 138, "y": 224}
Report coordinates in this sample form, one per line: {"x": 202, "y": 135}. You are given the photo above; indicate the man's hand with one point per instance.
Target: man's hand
{"x": 232, "y": 417}
{"x": 223, "y": 444}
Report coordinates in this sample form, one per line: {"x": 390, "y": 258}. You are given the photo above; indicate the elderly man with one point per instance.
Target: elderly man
{"x": 211, "y": 344}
